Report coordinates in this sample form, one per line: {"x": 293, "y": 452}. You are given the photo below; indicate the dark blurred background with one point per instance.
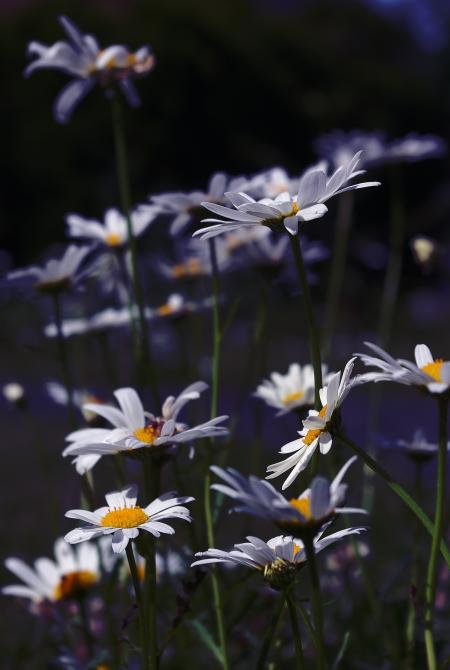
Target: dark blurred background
{"x": 239, "y": 86}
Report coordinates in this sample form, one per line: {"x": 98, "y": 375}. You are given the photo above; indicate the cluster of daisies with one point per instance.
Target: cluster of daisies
{"x": 258, "y": 215}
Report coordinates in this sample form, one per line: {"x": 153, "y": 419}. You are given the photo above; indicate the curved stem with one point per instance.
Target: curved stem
{"x": 217, "y": 341}
{"x": 430, "y": 587}
{"x": 145, "y": 356}
{"x": 137, "y": 590}
{"x": 314, "y": 342}
{"x": 397, "y": 488}
{"x": 270, "y": 632}
{"x": 337, "y": 271}
{"x": 316, "y": 602}
{"x": 299, "y": 660}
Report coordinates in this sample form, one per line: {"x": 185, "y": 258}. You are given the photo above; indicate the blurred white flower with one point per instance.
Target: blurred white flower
{"x": 108, "y": 318}
{"x": 136, "y": 429}
{"x": 123, "y": 519}
{"x": 317, "y": 426}
{"x": 181, "y": 207}
{"x": 427, "y": 373}
{"x": 69, "y": 575}
{"x": 418, "y": 445}
{"x": 290, "y": 391}
{"x": 414, "y": 147}
{"x": 113, "y": 231}
{"x": 424, "y": 251}
{"x": 13, "y": 392}
{"x": 339, "y": 146}
{"x": 56, "y": 275}
{"x": 82, "y": 58}
{"x": 285, "y": 211}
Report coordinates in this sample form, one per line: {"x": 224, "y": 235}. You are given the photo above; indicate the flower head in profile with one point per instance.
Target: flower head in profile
{"x": 305, "y": 515}
{"x": 318, "y": 427}
{"x": 426, "y": 372}
{"x": 181, "y": 207}
{"x": 417, "y": 447}
{"x": 106, "y": 319}
{"x": 134, "y": 429}
{"x": 278, "y": 560}
{"x": 194, "y": 261}
{"x": 414, "y": 147}
{"x": 112, "y": 232}
{"x": 285, "y": 211}
{"x": 123, "y": 519}
{"x": 339, "y": 146}
{"x": 69, "y": 575}
{"x": 56, "y": 275}
{"x": 290, "y": 391}
{"x": 82, "y": 58}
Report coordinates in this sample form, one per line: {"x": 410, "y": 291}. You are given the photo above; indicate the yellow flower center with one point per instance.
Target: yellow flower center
{"x": 147, "y": 434}
{"x": 73, "y": 583}
{"x": 190, "y": 268}
{"x": 292, "y": 397}
{"x": 165, "y": 310}
{"x": 434, "y": 369}
{"x": 295, "y": 208}
{"x": 302, "y": 505}
{"x": 297, "y": 548}
{"x": 113, "y": 240}
{"x": 130, "y": 517}
{"x": 311, "y": 435}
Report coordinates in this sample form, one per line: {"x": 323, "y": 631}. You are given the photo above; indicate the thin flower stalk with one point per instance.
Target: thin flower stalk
{"x": 299, "y": 659}
{"x": 217, "y": 341}
{"x": 64, "y": 359}
{"x": 398, "y": 489}
{"x": 316, "y": 603}
{"x": 144, "y": 639}
{"x": 430, "y": 587}
{"x": 337, "y": 271}
{"x": 144, "y": 351}
{"x": 270, "y": 632}
{"x": 314, "y": 342}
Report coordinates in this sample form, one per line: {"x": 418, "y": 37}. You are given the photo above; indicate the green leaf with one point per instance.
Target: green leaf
{"x": 207, "y": 639}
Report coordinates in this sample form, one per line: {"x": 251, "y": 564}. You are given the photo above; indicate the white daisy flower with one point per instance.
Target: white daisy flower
{"x": 183, "y": 206}
{"x": 418, "y": 446}
{"x": 340, "y": 146}
{"x": 56, "y": 275}
{"x": 113, "y": 232}
{"x": 195, "y": 261}
{"x": 136, "y": 429}
{"x": 278, "y": 560}
{"x": 427, "y": 373}
{"x": 285, "y": 211}
{"x": 123, "y": 519}
{"x": 290, "y": 391}
{"x": 82, "y": 58}
{"x": 106, "y": 319}
{"x": 175, "y": 305}
{"x": 414, "y": 147}
{"x": 317, "y": 426}
{"x": 309, "y": 512}
{"x": 72, "y": 573}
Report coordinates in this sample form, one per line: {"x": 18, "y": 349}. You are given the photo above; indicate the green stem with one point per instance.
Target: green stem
{"x": 84, "y": 617}
{"x": 397, "y": 488}
{"x": 337, "y": 271}
{"x": 137, "y": 590}
{"x": 411, "y": 616}
{"x": 299, "y": 660}
{"x": 316, "y": 602}
{"x": 270, "y": 632}
{"x": 314, "y": 342}
{"x": 145, "y": 355}
{"x": 64, "y": 359}
{"x": 430, "y": 587}
{"x": 150, "y": 601}
{"x": 217, "y": 340}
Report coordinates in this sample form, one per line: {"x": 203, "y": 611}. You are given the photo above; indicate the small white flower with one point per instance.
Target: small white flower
{"x": 316, "y": 427}
{"x": 290, "y": 391}
{"x": 108, "y": 318}
{"x": 82, "y": 58}
{"x": 56, "y": 275}
{"x": 424, "y": 250}
{"x": 414, "y": 147}
{"x": 314, "y": 508}
{"x": 418, "y": 445}
{"x": 113, "y": 232}
{"x": 286, "y": 210}
{"x": 71, "y": 573}
{"x": 136, "y": 429}
{"x": 426, "y": 373}
{"x": 123, "y": 519}
{"x": 278, "y": 559}
{"x": 13, "y": 392}
{"x": 181, "y": 207}
{"x": 339, "y": 146}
